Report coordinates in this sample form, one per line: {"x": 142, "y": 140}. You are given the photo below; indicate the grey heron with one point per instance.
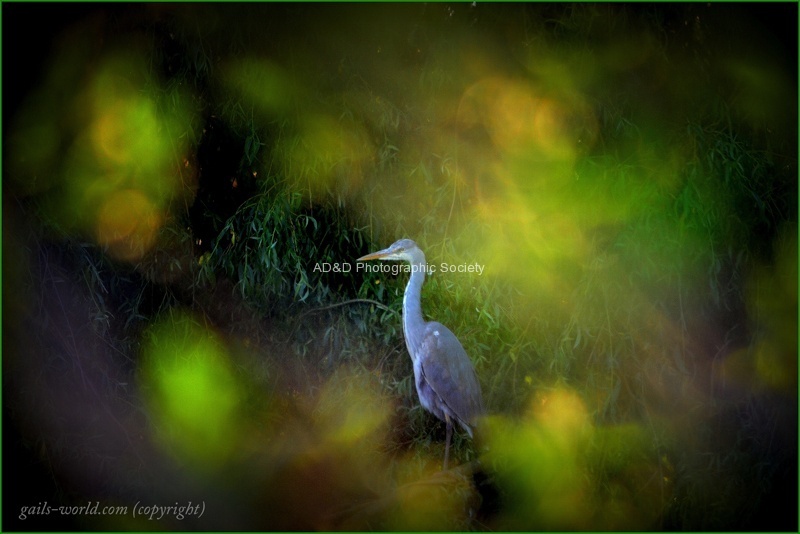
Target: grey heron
{"x": 444, "y": 375}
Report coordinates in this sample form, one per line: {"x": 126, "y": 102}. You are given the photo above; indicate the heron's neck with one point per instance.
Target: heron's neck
{"x": 413, "y": 324}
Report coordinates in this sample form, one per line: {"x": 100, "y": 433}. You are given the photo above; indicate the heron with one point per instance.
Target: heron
{"x": 446, "y": 382}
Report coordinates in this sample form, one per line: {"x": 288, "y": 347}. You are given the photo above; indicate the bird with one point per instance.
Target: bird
{"x": 447, "y": 384}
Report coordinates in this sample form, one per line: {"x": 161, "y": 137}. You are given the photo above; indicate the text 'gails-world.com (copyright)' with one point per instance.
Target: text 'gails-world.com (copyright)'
{"x": 139, "y": 510}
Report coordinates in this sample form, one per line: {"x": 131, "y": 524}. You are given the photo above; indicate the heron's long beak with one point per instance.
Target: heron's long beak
{"x": 381, "y": 254}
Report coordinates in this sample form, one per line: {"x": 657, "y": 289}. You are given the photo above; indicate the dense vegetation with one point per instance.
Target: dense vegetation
{"x": 186, "y": 189}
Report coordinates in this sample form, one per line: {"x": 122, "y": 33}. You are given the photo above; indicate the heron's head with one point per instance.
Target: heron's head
{"x": 405, "y": 249}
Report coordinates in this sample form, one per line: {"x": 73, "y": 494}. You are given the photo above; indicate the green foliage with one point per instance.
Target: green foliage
{"x": 279, "y": 253}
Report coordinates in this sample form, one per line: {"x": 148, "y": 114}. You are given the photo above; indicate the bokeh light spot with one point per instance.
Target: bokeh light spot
{"x": 127, "y": 224}
{"x": 112, "y": 165}
{"x": 262, "y": 83}
{"x": 773, "y": 298}
{"x": 192, "y": 392}
{"x": 547, "y": 442}
{"x": 326, "y": 155}
{"x": 352, "y": 411}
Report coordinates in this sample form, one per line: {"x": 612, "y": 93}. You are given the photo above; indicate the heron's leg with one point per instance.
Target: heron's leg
{"x": 447, "y": 442}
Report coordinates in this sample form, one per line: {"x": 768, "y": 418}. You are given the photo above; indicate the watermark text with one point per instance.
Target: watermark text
{"x": 398, "y": 268}
{"x": 150, "y": 511}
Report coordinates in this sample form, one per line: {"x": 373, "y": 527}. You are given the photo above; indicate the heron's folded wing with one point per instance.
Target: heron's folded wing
{"x": 450, "y": 373}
